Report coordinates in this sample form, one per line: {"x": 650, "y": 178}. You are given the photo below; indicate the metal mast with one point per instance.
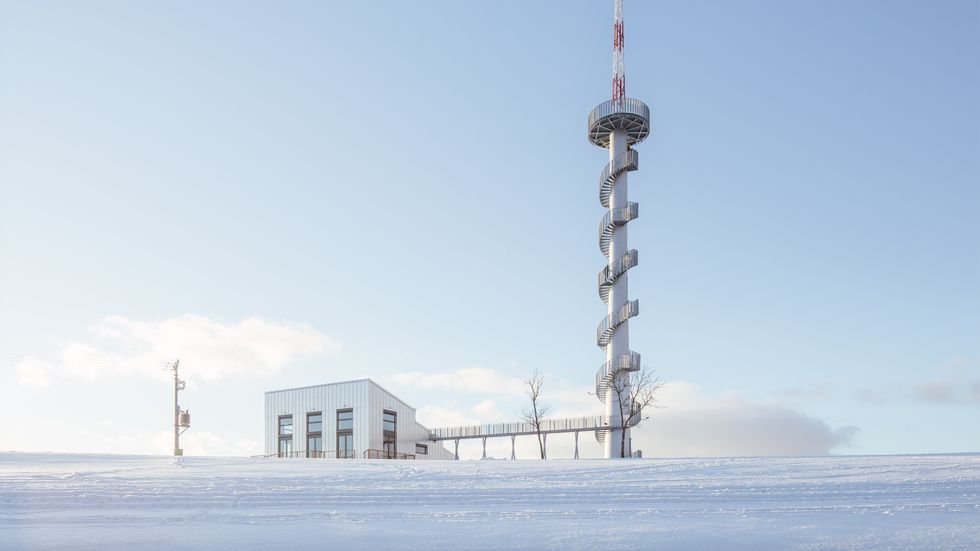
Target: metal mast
{"x": 182, "y": 419}
{"x": 617, "y": 125}
{"x": 619, "y": 61}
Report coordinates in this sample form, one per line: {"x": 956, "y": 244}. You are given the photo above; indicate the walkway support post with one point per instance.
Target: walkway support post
{"x": 576, "y": 444}
{"x": 484, "y": 447}
{"x": 513, "y": 454}
{"x": 456, "y": 455}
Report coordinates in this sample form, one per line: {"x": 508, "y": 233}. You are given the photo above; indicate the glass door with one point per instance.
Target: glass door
{"x": 345, "y": 445}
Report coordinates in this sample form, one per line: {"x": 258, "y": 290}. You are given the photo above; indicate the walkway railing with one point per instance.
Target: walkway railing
{"x": 548, "y": 426}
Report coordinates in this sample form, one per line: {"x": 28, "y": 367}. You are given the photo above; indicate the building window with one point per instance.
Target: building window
{"x": 345, "y": 434}
{"x": 390, "y": 434}
{"x": 314, "y": 422}
{"x": 314, "y": 434}
{"x": 421, "y": 449}
{"x": 285, "y": 435}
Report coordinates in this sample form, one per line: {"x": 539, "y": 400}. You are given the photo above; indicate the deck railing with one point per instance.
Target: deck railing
{"x": 629, "y": 106}
{"x": 334, "y": 454}
{"x": 304, "y": 454}
{"x": 382, "y": 454}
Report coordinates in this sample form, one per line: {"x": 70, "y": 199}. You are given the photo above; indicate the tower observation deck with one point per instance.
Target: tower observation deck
{"x": 617, "y": 125}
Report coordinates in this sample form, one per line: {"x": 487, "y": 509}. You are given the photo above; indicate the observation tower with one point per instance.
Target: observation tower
{"x": 617, "y": 125}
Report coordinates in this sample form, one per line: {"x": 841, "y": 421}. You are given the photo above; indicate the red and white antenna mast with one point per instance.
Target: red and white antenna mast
{"x": 619, "y": 64}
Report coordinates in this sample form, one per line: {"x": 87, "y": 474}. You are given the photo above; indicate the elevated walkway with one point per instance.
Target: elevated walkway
{"x": 597, "y": 424}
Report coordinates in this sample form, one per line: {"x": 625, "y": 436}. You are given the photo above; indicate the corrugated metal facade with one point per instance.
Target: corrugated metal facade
{"x": 368, "y": 401}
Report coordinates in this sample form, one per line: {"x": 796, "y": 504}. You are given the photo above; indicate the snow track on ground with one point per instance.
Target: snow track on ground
{"x": 56, "y": 501}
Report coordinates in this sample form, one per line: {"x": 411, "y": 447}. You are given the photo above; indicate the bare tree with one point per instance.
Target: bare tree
{"x": 535, "y": 413}
{"x": 634, "y": 392}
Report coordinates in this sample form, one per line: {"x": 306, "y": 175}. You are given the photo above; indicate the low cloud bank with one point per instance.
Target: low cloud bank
{"x": 119, "y": 346}
{"x": 742, "y": 429}
{"x": 692, "y": 422}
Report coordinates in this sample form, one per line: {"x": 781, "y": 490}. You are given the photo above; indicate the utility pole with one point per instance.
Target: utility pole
{"x": 182, "y": 419}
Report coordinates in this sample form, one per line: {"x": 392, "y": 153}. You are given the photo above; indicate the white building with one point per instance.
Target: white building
{"x": 352, "y": 419}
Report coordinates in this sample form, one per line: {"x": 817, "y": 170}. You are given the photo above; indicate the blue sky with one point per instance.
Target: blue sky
{"x": 284, "y": 195}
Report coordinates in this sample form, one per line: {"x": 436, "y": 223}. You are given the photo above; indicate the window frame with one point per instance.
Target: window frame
{"x": 389, "y": 436}
{"x": 345, "y": 410}
{"x": 423, "y": 447}
{"x": 320, "y": 422}
{"x": 317, "y": 434}
{"x": 394, "y": 420}
{"x": 281, "y": 438}
{"x": 345, "y": 452}
{"x": 292, "y": 427}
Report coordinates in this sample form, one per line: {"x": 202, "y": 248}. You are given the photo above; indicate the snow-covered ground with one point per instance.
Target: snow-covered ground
{"x": 54, "y": 501}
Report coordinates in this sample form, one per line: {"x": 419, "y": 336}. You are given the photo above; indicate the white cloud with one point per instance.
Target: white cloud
{"x": 144, "y": 442}
{"x": 563, "y": 397}
{"x": 948, "y": 392}
{"x": 438, "y": 416}
{"x": 487, "y": 409}
{"x": 955, "y": 382}
{"x": 868, "y": 396}
{"x": 799, "y": 394}
{"x": 33, "y": 372}
{"x": 212, "y": 349}
{"x": 205, "y": 443}
{"x": 479, "y": 380}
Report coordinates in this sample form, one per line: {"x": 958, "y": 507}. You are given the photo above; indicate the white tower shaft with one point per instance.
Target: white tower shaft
{"x": 619, "y": 345}
{"x": 617, "y": 125}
